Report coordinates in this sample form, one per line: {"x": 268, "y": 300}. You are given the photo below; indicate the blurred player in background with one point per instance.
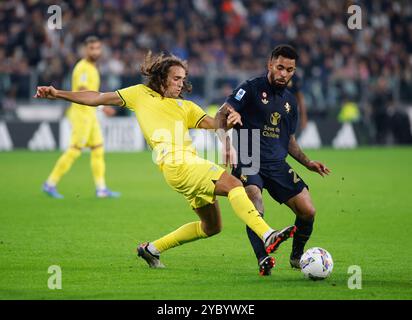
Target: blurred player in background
{"x": 165, "y": 119}
{"x": 85, "y": 128}
{"x": 264, "y": 103}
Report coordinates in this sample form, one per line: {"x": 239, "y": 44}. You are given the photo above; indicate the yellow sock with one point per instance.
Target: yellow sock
{"x": 186, "y": 233}
{"x": 98, "y": 167}
{"x": 246, "y": 211}
{"x": 63, "y": 165}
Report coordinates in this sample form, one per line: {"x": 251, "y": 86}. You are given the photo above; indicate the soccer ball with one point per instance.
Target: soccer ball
{"x": 316, "y": 264}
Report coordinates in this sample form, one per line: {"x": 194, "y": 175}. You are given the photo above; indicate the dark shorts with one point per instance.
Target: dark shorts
{"x": 282, "y": 183}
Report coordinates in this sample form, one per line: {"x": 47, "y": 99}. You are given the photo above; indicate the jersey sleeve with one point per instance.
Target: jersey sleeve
{"x": 195, "y": 115}
{"x": 129, "y": 96}
{"x": 240, "y": 96}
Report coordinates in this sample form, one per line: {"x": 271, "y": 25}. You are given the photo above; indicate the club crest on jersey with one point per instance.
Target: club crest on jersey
{"x": 264, "y": 96}
{"x": 287, "y": 107}
{"x": 275, "y": 118}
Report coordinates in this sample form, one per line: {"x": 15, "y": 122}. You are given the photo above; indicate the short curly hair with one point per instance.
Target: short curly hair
{"x": 284, "y": 50}
{"x": 156, "y": 69}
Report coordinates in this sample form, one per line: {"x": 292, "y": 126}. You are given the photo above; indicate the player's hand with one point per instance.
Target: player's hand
{"x": 233, "y": 118}
{"x": 318, "y": 167}
{"x": 46, "y": 92}
{"x": 109, "y": 111}
{"x": 229, "y": 154}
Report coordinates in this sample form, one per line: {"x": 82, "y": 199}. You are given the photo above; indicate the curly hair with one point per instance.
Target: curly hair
{"x": 156, "y": 69}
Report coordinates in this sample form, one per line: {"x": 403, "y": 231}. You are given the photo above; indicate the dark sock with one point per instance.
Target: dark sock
{"x": 257, "y": 243}
{"x": 302, "y": 235}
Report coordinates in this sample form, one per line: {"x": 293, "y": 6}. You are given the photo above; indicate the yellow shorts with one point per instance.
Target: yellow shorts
{"x": 194, "y": 180}
{"x": 86, "y": 130}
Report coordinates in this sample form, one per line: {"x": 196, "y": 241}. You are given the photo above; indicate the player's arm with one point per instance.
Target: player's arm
{"x": 228, "y": 114}
{"x": 207, "y": 123}
{"x": 225, "y": 118}
{"x": 222, "y": 125}
{"x": 296, "y": 152}
{"x": 302, "y": 109}
{"x": 88, "y": 98}
{"x": 108, "y": 111}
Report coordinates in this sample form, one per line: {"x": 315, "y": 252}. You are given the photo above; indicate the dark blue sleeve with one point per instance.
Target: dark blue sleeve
{"x": 240, "y": 96}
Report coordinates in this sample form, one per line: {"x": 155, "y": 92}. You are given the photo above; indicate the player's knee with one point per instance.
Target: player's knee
{"x": 226, "y": 184}
{"x": 97, "y": 152}
{"x": 213, "y": 230}
{"x": 309, "y": 212}
{"x": 74, "y": 153}
{"x": 233, "y": 182}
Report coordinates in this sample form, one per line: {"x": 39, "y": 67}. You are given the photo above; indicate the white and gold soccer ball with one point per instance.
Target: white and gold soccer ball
{"x": 316, "y": 263}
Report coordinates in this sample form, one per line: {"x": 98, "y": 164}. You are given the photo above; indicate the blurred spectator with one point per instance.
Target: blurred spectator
{"x": 9, "y": 104}
{"x": 349, "y": 112}
{"x": 400, "y": 125}
{"x": 380, "y": 104}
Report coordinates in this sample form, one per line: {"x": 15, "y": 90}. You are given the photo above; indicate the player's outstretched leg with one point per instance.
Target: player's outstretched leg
{"x": 209, "y": 225}
{"x": 231, "y": 187}
{"x": 302, "y": 206}
{"x": 274, "y": 240}
{"x": 61, "y": 167}
{"x": 98, "y": 169}
{"x": 265, "y": 262}
{"x": 153, "y": 260}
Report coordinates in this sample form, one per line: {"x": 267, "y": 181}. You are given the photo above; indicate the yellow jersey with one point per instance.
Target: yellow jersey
{"x": 165, "y": 122}
{"x": 85, "y": 76}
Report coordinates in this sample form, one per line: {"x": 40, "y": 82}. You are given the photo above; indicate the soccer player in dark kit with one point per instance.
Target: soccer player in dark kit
{"x": 266, "y": 106}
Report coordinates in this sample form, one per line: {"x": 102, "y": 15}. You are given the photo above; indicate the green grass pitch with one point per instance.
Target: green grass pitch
{"x": 363, "y": 218}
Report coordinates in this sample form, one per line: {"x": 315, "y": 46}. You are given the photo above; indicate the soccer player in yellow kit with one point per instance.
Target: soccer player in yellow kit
{"x": 85, "y": 126}
{"x": 165, "y": 119}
